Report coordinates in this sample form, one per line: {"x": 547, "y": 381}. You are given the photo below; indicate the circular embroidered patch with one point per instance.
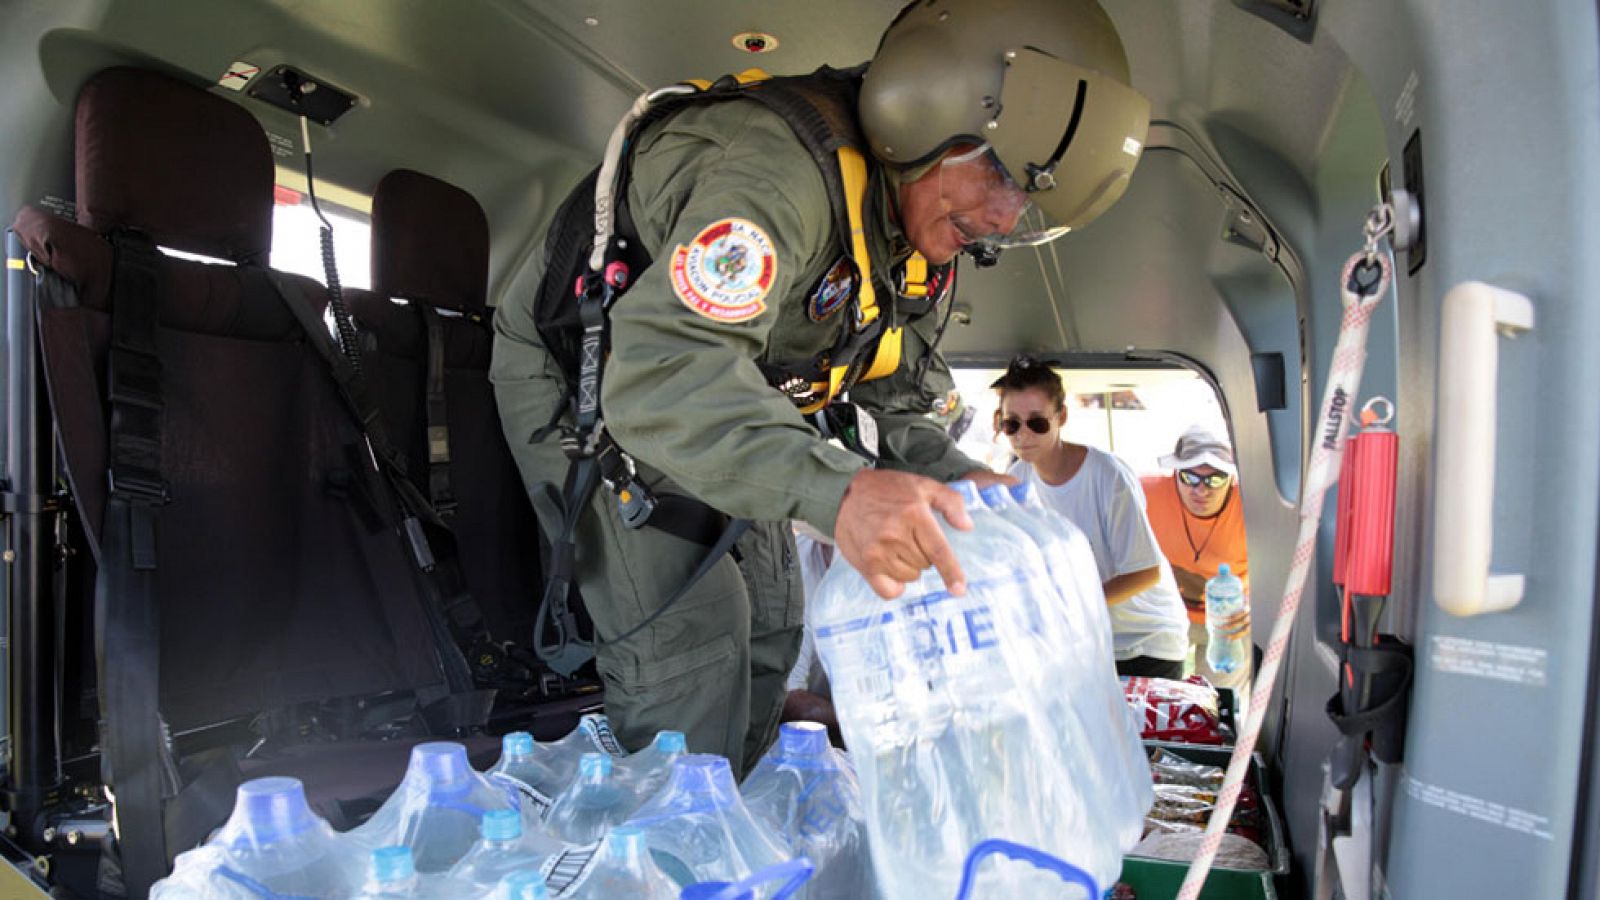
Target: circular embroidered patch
{"x": 725, "y": 272}
{"x": 834, "y": 290}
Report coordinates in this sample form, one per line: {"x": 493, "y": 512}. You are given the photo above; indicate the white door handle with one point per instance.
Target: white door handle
{"x": 1473, "y": 317}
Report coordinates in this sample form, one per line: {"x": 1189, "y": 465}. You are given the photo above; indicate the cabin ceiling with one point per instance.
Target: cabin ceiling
{"x": 513, "y": 100}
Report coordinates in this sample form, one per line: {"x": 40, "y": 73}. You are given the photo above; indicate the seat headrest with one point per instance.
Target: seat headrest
{"x": 192, "y": 170}
{"x": 430, "y": 242}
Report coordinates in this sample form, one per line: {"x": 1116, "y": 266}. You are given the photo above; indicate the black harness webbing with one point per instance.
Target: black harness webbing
{"x": 127, "y": 615}
{"x": 819, "y": 110}
{"x": 439, "y": 490}
{"x": 463, "y": 626}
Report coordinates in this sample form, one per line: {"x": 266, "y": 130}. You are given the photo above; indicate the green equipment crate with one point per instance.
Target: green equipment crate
{"x": 1153, "y": 879}
{"x": 1277, "y": 849}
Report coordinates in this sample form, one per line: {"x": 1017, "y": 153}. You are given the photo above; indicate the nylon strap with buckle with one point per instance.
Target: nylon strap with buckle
{"x": 440, "y": 493}
{"x": 135, "y": 759}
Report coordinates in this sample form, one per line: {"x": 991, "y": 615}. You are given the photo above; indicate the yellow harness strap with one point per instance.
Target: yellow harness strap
{"x": 886, "y": 356}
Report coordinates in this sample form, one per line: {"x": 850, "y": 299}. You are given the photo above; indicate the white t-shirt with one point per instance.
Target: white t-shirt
{"x": 1104, "y": 499}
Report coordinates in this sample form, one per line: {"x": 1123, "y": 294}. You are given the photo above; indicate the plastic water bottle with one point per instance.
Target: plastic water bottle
{"x": 698, "y": 828}
{"x": 523, "y": 769}
{"x": 1224, "y": 599}
{"x": 1045, "y": 790}
{"x": 503, "y": 847}
{"x": 944, "y": 702}
{"x": 436, "y": 809}
{"x": 778, "y": 882}
{"x": 594, "y": 803}
{"x": 393, "y": 875}
{"x": 1085, "y": 699}
{"x": 272, "y": 844}
{"x": 622, "y": 868}
{"x": 645, "y": 772}
{"x": 520, "y": 886}
{"x": 804, "y": 791}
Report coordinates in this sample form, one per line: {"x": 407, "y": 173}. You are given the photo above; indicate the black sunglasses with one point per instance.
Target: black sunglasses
{"x": 1036, "y": 424}
{"x": 1195, "y": 479}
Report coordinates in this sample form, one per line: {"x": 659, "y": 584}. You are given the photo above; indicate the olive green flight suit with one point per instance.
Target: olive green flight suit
{"x": 683, "y": 395}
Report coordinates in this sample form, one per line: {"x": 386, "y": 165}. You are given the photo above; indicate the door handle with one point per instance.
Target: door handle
{"x": 1473, "y": 318}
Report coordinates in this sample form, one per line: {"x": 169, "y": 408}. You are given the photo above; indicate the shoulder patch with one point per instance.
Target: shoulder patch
{"x": 835, "y": 288}
{"x": 724, "y": 273}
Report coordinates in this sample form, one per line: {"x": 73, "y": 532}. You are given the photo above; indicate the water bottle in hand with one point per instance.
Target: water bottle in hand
{"x": 1224, "y": 600}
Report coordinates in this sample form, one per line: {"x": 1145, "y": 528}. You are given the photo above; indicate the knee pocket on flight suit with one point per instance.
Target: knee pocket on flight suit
{"x": 688, "y": 691}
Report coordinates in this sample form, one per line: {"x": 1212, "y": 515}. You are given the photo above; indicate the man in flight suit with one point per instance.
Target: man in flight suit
{"x": 989, "y": 123}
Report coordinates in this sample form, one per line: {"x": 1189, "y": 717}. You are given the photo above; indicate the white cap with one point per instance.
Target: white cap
{"x": 1199, "y": 447}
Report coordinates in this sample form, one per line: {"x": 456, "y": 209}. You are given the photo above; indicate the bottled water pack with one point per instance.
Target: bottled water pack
{"x": 807, "y": 792}
{"x": 957, "y": 713}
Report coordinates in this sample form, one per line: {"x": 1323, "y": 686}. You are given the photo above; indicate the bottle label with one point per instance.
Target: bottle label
{"x": 569, "y": 869}
{"x": 599, "y": 733}
{"x": 517, "y": 787}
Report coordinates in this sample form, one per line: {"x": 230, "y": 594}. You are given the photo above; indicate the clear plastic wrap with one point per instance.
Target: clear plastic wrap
{"x": 392, "y": 875}
{"x": 437, "y": 807}
{"x": 779, "y": 882}
{"x": 588, "y": 808}
{"x": 522, "y": 768}
{"x": 541, "y": 771}
{"x": 503, "y": 847}
{"x": 944, "y": 703}
{"x": 271, "y": 844}
{"x": 645, "y": 772}
{"x": 807, "y": 791}
{"x": 1089, "y": 691}
{"x": 698, "y": 829}
{"x": 622, "y": 868}
{"x": 519, "y": 886}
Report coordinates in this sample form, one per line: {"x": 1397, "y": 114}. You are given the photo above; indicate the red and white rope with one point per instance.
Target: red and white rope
{"x": 1338, "y": 407}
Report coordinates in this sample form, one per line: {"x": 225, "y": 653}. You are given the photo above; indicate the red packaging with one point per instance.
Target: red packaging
{"x": 1179, "y": 711}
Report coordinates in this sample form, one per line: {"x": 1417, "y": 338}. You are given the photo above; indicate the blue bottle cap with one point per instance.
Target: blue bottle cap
{"x": 1222, "y": 570}
{"x": 517, "y": 743}
{"x": 671, "y": 742}
{"x": 704, "y": 774}
{"x": 1021, "y": 492}
{"x": 501, "y": 825}
{"x": 441, "y": 770}
{"x": 969, "y": 493}
{"x": 802, "y": 739}
{"x": 526, "y": 885}
{"x": 627, "y": 839}
{"x": 995, "y": 497}
{"x": 390, "y": 864}
{"x": 273, "y": 809}
{"x": 594, "y": 765}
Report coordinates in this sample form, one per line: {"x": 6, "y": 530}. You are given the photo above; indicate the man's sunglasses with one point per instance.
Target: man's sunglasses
{"x": 1037, "y": 425}
{"x": 1195, "y": 479}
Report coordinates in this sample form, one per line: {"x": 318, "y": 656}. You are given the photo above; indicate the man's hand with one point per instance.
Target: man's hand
{"x": 888, "y": 530}
{"x": 1236, "y": 625}
{"x": 985, "y": 477}
{"x": 1191, "y": 585}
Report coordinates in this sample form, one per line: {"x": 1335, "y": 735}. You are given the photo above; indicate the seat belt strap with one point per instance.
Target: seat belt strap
{"x": 440, "y": 494}
{"x": 135, "y": 758}
{"x": 464, "y": 625}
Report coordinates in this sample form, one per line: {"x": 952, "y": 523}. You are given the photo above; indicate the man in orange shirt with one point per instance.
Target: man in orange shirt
{"x": 1198, "y": 519}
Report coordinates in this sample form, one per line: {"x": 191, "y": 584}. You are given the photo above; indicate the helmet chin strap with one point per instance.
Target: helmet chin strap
{"x": 983, "y": 254}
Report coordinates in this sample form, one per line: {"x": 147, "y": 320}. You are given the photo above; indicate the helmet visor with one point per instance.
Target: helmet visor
{"x": 986, "y": 205}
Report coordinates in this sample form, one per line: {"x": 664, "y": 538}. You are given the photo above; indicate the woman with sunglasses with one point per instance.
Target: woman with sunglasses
{"x": 1099, "y": 493}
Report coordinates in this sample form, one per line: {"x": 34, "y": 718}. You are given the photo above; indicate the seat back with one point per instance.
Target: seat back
{"x": 277, "y": 584}
{"x": 430, "y": 248}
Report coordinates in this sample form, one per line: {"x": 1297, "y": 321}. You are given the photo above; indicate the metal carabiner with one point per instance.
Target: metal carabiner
{"x": 1379, "y": 225}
